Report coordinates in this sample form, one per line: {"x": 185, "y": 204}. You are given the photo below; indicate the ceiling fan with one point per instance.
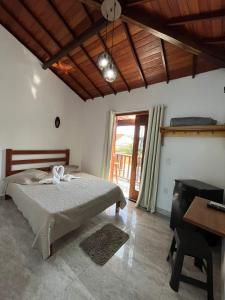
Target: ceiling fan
{"x": 63, "y": 67}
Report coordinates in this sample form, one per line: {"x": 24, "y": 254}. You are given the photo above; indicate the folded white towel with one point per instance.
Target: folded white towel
{"x": 58, "y": 173}
{"x": 69, "y": 177}
{"x": 61, "y": 171}
{"x": 50, "y": 180}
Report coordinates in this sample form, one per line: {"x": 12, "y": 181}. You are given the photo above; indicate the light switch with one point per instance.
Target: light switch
{"x": 168, "y": 161}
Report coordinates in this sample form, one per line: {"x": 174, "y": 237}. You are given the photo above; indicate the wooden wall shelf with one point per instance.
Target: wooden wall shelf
{"x": 203, "y": 130}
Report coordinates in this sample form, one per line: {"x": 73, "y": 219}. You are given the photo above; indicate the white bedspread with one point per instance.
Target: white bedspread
{"x": 54, "y": 210}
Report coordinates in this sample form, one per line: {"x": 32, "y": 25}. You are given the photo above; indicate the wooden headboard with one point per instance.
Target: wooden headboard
{"x": 10, "y": 162}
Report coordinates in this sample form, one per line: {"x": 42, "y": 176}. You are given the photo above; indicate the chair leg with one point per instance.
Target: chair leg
{"x": 117, "y": 207}
{"x": 172, "y": 249}
{"x": 177, "y": 268}
{"x": 198, "y": 262}
{"x": 210, "y": 278}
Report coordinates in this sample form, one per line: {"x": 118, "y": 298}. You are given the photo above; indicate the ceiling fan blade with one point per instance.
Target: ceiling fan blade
{"x": 63, "y": 67}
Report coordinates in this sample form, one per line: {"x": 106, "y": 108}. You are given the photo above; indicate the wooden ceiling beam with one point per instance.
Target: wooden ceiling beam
{"x": 27, "y": 8}
{"x": 104, "y": 45}
{"x": 215, "y": 40}
{"x": 194, "y": 65}
{"x": 41, "y": 45}
{"x": 135, "y": 54}
{"x": 164, "y": 60}
{"x": 63, "y": 20}
{"x": 99, "y": 25}
{"x": 197, "y": 17}
{"x": 141, "y": 18}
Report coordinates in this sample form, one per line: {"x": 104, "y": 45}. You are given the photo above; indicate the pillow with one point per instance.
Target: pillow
{"x": 67, "y": 168}
{"x": 26, "y": 177}
{"x": 71, "y": 169}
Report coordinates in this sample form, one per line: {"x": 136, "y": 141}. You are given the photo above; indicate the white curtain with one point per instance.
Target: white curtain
{"x": 150, "y": 172}
{"x": 108, "y": 144}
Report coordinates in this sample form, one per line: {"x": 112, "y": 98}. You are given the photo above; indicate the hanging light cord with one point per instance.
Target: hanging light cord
{"x": 106, "y": 36}
{"x": 114, "y": 12}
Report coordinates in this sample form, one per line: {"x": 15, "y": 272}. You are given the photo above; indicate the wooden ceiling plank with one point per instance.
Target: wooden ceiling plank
{"x": 194, "y": 65}
{"x": 142, "y": 19}
{"x": 27, "y": 8}
{"x": 135, "y": 54}
{"x": 136, "y": 2}
{"x": 181, "y": 40}
{"x": 164, "y": 60}
{"x": 35, "y": 53}
{"x": 105, "y": 46}
{"x": 211, "y": 15}
{"x": 60, "y": 16}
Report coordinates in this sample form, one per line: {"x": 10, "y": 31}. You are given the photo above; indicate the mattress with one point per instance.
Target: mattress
{"x": 54, "y": 210}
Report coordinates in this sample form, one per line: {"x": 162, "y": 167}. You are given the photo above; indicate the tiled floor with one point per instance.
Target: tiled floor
{"x": 137, "y": 271}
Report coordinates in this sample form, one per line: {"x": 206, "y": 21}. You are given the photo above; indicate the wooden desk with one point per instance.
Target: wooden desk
{"x": 211, "y": 220}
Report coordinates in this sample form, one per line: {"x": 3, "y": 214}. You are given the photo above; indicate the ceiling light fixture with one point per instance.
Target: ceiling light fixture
{"x": 104, "y": 60}
{"x": 110, "y": 73}
{"x": 111, "y": 10}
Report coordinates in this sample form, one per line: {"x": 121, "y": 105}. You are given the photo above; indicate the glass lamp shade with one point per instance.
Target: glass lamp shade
{"x": 103, "y": 60}
{"x": 110, "y": 73}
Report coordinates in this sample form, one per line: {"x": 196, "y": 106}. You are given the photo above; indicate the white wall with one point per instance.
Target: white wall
{"x": 199, "y": 158}
{"x": 30, "y": 99}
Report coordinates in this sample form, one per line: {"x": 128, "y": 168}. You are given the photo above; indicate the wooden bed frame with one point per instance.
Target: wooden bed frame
{"x": 10, "y": 162}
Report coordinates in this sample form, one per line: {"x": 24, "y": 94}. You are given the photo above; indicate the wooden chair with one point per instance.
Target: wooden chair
{"x": 193, "y": 244}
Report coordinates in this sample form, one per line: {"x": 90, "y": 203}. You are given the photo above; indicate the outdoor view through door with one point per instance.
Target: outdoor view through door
{"x": 128, "y": 152}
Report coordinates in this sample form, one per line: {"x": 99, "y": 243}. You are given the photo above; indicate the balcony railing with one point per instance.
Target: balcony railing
{"x": 122, "y": 166}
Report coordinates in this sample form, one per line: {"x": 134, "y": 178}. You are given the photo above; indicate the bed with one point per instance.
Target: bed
{"x": 54, "y": 210}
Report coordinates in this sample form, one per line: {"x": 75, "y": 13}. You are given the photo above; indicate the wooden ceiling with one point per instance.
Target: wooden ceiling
{"x": 154, "y": 41}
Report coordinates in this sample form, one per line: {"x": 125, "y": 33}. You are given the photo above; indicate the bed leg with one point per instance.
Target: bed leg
{"x": 51, "y": 250}
{"x": 117, "y": 207}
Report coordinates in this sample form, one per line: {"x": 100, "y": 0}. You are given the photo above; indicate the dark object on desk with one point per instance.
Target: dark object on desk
{"x": 215, "y": 205}
{"x": 184, "y": 193}
{"x": 191, "y": 121}
{"x": 191, "y": 244}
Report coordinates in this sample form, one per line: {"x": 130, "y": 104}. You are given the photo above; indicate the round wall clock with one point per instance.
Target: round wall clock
{"x": 57, "y": 122}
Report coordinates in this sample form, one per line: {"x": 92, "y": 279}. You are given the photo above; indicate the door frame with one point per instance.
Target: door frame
{"x": 132, "y": 194}
{"x": 141, "y": 120}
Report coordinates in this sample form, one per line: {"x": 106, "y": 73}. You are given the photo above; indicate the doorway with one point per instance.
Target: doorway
{"x": 128, "y": 152}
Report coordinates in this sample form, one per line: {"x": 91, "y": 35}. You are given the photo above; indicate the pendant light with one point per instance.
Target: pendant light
{"x": 104, "y": 60}
{"x": 110, "y": 73}
{"x": 111, "y": 10}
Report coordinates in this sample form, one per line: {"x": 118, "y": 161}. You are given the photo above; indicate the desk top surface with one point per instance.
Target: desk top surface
{"x": 207, "y": 218}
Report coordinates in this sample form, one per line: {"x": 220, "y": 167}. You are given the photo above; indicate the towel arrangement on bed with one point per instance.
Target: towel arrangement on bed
{"x": 57, "y": 176}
